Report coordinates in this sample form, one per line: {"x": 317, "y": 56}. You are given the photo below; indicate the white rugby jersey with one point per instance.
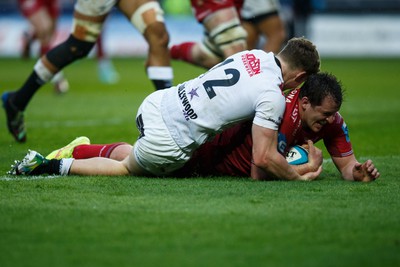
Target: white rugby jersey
{"x": 246, "y": 85}
{"x": 253, "y": 8}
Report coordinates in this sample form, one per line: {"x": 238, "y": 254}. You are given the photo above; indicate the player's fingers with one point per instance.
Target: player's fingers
{"x": 311, "y": 147}
{"x": 310, "y": 144}
{"x": 358, "y": 166}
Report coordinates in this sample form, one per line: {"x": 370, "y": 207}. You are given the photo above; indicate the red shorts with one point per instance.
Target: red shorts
{"x": 30, "y": 7}
{"x": 203, "y": 8}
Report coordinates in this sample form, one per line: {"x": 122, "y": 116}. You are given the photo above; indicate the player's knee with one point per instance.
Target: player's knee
{"x": 157, "y": 35}
{"x": 207, "y": 55}
{"x": 45, "y": 31}
{"x": 229, "y": 36}
{"x": 146, "y": 15}
{"x": 87, "y": 29}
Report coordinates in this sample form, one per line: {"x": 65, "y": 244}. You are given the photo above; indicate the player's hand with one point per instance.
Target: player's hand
{"x": 365, "y": 172}
{"x": 309, "y": 176}
{"x": 315, "y": 158}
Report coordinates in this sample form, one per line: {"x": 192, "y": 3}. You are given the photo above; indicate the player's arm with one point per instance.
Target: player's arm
{"x": 352, "y": 170}
{"x": 268, "y": 162}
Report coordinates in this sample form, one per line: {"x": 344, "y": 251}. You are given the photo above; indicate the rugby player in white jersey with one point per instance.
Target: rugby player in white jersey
{"x": 173, "y": 123}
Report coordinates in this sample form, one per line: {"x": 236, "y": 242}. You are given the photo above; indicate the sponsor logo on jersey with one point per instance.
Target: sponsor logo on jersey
{"x": 187, "y": 110}
{"x": 277, "y": 122}
{"x": 282, "y": 143}
{"x": 295, "y": 113}
{"x": 346, "y": 132}
{"x": 252, "y": 64}
{"x": 193, "y": 93}
{"x": 291, "y": 96}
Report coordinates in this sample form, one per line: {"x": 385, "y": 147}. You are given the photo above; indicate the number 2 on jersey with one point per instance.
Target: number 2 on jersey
{"x": 208, "y": 85}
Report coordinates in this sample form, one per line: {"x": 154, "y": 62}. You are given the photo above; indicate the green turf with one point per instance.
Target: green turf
{"x": 133, "y": 221}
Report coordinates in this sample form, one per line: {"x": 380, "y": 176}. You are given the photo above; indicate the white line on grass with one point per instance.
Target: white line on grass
{"x": 25, "y": 178}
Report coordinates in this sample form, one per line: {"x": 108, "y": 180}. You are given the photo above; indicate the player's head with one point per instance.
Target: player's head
{"x": 320, "y": 98}
{"x": 301, "y": 59}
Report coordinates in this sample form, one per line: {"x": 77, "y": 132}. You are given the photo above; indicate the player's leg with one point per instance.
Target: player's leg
{"x": 226, "y": 31}
{"x": 35, "y": 164}
{"x": 116, "y": 151}
{"x": 43, "y": 27}
{"x": 224, "y": 37}
{"x": 107, "y": 166}
{"x": 147, "y": 16}
{"x": 98, "y": 166}
{"x": 43, "y": 16}
{"x": 39, "y": 14}
{"x": 86, "y": 29}
{"x": 273, "y": 28}
{"x": 80, "y": 148}
{"x": 106, "y": 71}
{"x": 252, "y": 34}
{"x": 261, "y": 18}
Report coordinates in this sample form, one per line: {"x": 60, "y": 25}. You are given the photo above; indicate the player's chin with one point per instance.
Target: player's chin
{"x": 317, "y": 127}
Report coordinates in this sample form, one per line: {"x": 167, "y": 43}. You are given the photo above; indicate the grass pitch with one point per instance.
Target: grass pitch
{"x": 134, "y": 221}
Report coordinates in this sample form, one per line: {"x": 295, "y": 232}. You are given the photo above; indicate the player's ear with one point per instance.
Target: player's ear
{"x": 305, "y": 102}
{"x": 301, "y": 77}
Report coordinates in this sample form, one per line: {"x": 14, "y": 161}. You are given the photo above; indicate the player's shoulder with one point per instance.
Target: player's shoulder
{"x": 338, "y": 119}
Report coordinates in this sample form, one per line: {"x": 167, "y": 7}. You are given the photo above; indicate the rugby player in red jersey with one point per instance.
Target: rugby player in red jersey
{"x": 42, "y": 16}
{"x": 311, "y": 115}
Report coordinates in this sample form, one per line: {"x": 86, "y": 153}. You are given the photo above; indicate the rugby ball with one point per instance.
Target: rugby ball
{"x": 297, "y": 155}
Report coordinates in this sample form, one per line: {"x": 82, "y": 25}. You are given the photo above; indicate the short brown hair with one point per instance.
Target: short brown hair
{"x": 321, "y": 85}
{"x": 302, "y": 54}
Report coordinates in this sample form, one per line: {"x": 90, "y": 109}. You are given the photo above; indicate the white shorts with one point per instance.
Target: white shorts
{"x": 254, "y": 8}
{"x": 156, "y": 151}
{"x": 94, "y": 8}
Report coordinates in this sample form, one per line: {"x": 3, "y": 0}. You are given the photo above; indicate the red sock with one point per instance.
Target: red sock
{"x": 44, "y": 49}
{"x": 92, "y": 151}
{"x": 182, "y": 51}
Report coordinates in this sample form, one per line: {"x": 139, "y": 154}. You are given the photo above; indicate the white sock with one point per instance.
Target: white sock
{"x": 41, "y": 70}
{"x": 65, "y": 165}
{"x": 160, "y": 73}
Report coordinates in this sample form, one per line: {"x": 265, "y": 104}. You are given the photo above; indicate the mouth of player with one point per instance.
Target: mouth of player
{"x": 320, "y": 124}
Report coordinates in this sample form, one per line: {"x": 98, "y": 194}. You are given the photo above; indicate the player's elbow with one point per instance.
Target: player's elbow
{"x": 262, "y": 174}
{"x": 259, "y": 171}
{"x": 264, "y": 163}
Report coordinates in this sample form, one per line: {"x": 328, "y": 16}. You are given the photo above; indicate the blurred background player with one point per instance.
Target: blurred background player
{"x": 88, "y": 19}
{"x": 261, "y": 20}
{"x": 223, "y": 33}
{"x": 105, "y": 68}
{"x": 42, "y": 16}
